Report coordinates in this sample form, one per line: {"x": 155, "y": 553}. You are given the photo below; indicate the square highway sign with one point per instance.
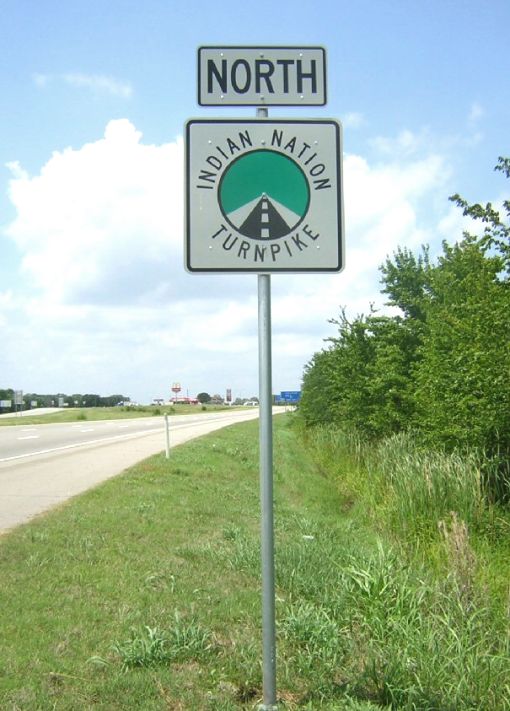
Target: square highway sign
{"x": 264, "y": 195}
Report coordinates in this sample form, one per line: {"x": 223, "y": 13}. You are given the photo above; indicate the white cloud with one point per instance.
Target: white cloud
{"x": 353, "y": 120}
{"x": 97, "y": 83}
{"x": 100, "y": 84}
{"x": 41, "y": 80}
{"x": 108, "y": 306}
{"x": 405, "y": 144}
{"x": 17, "y": 171}
{"x": 94, "y": 224}
{"x": 476, "y": 113}
{"x": 7, "y": 305}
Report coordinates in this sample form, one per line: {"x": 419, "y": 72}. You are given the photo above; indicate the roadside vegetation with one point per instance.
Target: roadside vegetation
{"x": 418, "y": 399}
{"x": 144, "y": 593}
{"x": 437, "y": 367}
{"x": 392, "y": 517}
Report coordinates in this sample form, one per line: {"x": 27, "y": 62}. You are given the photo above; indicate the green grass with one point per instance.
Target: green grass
{"x": 144, "y": 593}
{"x": 107, "y": 413}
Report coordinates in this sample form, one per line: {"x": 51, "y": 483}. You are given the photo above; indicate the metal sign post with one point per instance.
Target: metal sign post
{"x": 18, "y": 401}
{"x": 264, "y": 197}
{"x": 266, "y": 488}
{"x": 266, "y": 494}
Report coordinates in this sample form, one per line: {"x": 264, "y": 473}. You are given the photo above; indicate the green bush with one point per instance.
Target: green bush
{"x": 438, "y": 367}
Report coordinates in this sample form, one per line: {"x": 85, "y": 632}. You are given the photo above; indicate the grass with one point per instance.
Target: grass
{"x": 422, "y": 488}
{"x": 106, "y": 413}
{"x": 184, "y": 641}
{"x": 144, "y": 593}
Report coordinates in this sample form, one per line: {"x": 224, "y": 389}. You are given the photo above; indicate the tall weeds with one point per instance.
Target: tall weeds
{"x": 418, "y": 640}
{"x": 410, "y": 488}
{"x": 421, "y": 488}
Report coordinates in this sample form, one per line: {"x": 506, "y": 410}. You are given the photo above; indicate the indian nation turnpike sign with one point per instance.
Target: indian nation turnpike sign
{"x": 261, "y": 76}
{"x": 264, "y": 196}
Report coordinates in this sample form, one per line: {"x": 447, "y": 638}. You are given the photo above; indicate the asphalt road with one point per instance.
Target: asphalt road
{"x": 36, "y": 411}
{"x": 43, "y": 465}
{"x": 28, "y": 440}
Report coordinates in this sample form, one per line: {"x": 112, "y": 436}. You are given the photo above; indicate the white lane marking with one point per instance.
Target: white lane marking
{"x": 29, "y": 437}
{"x": 178, "y": 425}
{"x": 81, "y": 444}
{"x": 87, "y": 429}
{"x": 123, "y": 427}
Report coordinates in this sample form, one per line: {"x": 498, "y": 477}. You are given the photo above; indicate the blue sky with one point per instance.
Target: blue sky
{"x": 93, "y": 295}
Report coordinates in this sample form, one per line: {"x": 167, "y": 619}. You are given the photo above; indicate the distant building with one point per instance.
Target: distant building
{"x": 184, "y": 401}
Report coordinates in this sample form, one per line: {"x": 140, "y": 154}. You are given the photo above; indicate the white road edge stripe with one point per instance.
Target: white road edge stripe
{"x": 81, "y": 444}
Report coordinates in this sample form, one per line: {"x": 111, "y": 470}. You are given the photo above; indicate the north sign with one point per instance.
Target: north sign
{"x": 261, "y": 76}
{"x": 263, "y": 196}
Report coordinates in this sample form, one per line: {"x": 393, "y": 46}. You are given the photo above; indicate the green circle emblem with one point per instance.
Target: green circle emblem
{"x": 264, "y": 194}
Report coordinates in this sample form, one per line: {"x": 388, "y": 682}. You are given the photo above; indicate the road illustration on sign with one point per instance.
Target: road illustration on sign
{"x": 264, "y": 195}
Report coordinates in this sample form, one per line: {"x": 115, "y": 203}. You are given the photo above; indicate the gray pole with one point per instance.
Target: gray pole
{"x": 266, "y": 489}
{"x": 266, "y": 494}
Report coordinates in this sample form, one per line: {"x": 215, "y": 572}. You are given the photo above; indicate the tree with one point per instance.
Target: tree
{"x": 319, "y": 394}
{"x": 441, "y": 365}
{"x": 7, "y": 395}
{"x": 93, "y": 399}
{"x": 405, "y": 280}
{"x": 112, "y": 400}
{"x": 364, "y": 379}
{"x": 496, "y": 233}
{"x": 203, "y": 398}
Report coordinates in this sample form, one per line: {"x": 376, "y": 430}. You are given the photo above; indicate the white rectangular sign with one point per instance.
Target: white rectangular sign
{"x": 261, "y": 76}
{"x": 264, "y": 195}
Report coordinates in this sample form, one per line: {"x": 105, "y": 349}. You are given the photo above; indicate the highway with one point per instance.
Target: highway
{"x": 44, "y": 465}
{"x": 21, "y": 441}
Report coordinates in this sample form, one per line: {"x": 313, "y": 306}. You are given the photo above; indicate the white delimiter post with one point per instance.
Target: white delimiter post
{"x": 266, "y": 489}
{"x": 167, "y": 431}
